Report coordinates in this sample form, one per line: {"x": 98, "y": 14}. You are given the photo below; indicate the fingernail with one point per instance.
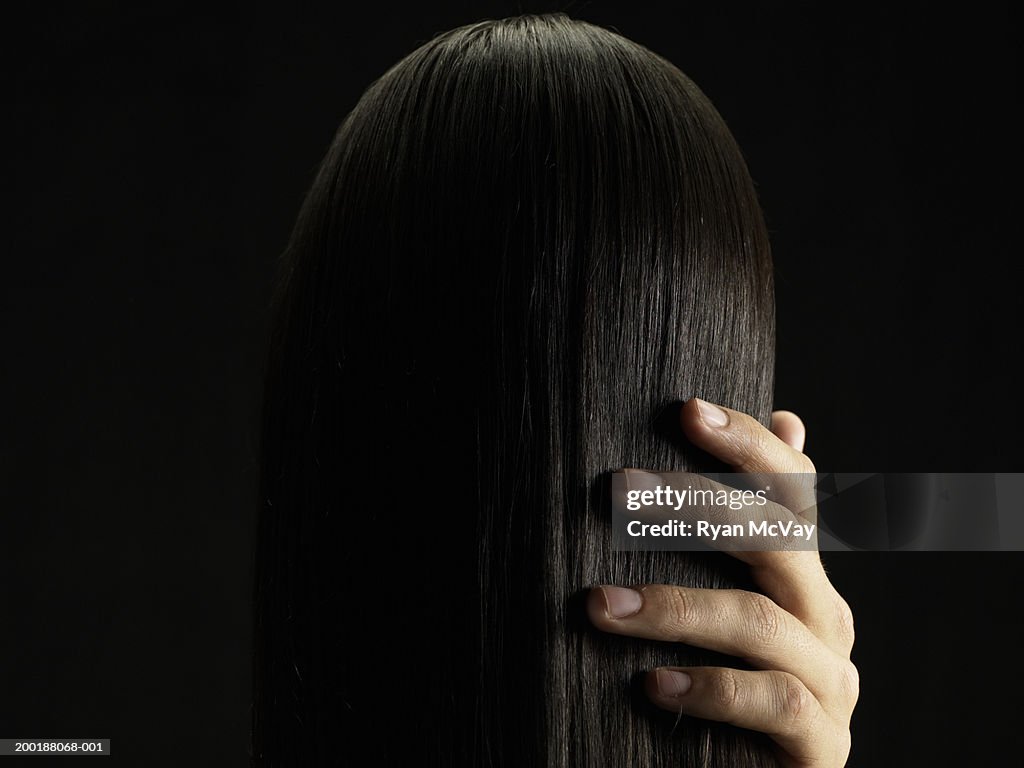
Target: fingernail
{"x": 712, "y": 415}
{"x": 672, "y": 683}
{"x": 620, "y": 602}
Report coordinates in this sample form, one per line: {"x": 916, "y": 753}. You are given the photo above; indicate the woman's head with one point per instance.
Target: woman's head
{"x": 527, "y": 238}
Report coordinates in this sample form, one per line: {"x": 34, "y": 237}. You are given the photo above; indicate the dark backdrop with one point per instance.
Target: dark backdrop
{"x": 156, "y": 158}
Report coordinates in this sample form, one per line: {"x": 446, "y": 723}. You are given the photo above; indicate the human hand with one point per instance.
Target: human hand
{"x": 797, "y": 635}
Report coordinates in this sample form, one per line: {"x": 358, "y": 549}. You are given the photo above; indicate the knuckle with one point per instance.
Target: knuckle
{"x": 766, "y": 625}
{"x": 844, "y": 743}
{"x": 849, "y": 680}
{"x": 844, "y": 618}
{"x": 749, "y": 442}
{"x": 727, "y": 690}
{"x": 796, "y": 702}
{"x": 679, "y": 610}
{"x": 756, "y": 439}
{"x": 806, "y": 465}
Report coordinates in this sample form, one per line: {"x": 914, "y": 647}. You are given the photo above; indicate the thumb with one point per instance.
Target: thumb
{"x": 788, "y": 427}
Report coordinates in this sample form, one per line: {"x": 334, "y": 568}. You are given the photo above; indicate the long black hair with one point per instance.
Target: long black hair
{"x": 528, "y": 238}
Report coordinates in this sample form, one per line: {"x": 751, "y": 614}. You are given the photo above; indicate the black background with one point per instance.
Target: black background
{"x": 155, "y": 160}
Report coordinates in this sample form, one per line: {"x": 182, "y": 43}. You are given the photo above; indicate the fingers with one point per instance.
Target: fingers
{"x": 803, "y": 589}
{"x": 803, "y": 697}
{"x": 773, "y": 702}
{"x": 740, "y": 440}
{"x": 799, "y": 633}
{"x": 795, "y": 580}
{"x": 788, "y": 427}
{"x": 751, "y": 448}
{"x": 744, "y": 624}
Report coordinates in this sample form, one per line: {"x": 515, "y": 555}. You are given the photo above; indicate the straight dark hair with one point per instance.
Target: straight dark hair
{"x": 527, "y": 239}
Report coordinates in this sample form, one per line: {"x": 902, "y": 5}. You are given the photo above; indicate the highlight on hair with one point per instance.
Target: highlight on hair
{"x": 528, "y": 237}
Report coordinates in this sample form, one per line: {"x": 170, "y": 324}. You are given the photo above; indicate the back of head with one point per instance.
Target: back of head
{"x": 528, "y": 237}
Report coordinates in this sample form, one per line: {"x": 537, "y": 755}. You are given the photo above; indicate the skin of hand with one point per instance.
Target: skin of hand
{"x": 797, "y": 635}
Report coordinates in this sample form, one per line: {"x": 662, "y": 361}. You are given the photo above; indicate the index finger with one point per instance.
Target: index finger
{"x": 795, "y": 580}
